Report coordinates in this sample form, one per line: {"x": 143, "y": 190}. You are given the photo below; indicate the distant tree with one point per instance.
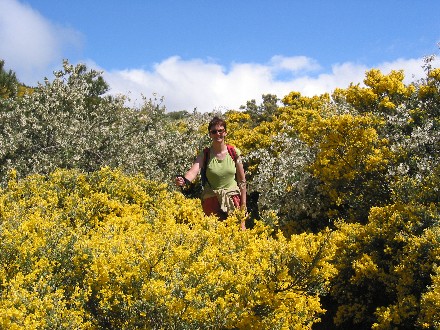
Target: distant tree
{"x": 8, "y": 82}
{"x": 178, "y": 114}
{"x": 263, "y": 112}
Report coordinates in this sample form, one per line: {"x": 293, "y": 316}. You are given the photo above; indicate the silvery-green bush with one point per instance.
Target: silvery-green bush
{"x": 71, "y": 122}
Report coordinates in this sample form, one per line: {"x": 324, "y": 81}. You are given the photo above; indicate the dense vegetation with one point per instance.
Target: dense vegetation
{"x": 343, "y": 194}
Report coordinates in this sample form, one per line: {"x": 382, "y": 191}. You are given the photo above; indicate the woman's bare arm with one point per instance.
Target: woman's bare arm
{"x": 192, "y": 172}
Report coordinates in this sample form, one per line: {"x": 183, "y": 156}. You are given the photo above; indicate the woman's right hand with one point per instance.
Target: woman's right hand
{"x": 180, "y": 181}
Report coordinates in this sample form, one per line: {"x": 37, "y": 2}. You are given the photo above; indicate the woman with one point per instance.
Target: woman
{"x": 225, "y": 186}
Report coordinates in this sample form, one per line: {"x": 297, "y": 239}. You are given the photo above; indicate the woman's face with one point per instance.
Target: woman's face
{"x": 217, "y": 133}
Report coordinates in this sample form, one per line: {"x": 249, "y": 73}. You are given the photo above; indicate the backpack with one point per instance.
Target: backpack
{"x": 206, "y": 154}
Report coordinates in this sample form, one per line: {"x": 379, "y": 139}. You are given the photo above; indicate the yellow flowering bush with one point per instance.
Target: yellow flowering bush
{"x": 430, "y": 303}
{"x": 383, "y": 93}
{"x": 245, "y": 136}
{"x": 385, "y": 268}
{"x": 106, "y": 250}
{"x": 350, "y": 159}
{"x": 296, "y": 101}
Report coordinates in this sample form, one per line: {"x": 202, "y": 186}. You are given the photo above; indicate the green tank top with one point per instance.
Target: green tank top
{"x": 221, "y": 173}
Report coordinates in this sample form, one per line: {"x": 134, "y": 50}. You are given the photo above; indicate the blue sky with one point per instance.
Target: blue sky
{"x": 219, "y": 54}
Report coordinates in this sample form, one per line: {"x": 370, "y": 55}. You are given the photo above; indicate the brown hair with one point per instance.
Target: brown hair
{"x": 216, "y": 121}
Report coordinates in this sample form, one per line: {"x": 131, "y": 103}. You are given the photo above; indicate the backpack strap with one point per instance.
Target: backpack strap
{"x": 206, "y": 153}
{"x": 232, "y": 152}
{"x": 233, "y": 155}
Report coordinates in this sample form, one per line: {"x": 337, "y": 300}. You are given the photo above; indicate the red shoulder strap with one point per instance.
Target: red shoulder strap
{"x": 232, "y": 152}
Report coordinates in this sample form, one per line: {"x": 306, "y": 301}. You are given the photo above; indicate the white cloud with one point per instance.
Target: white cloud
{"x": 294, "y": 64}
{"x": 30, "y": 44}
{"x": 412, "y": 68}
{"x": 189, "y": 84}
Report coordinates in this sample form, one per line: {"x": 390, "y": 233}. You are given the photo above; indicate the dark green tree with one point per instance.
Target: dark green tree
{"x": 8, "y": 82}
{"x": 263, "y": 112}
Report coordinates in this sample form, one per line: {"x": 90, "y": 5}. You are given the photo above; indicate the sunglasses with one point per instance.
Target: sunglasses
{"x": 215, "y": 131}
